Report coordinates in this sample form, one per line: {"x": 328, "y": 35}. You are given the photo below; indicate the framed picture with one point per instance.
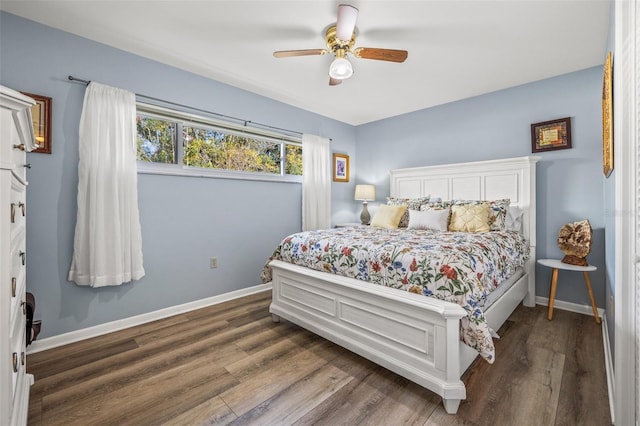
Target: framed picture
{"x": 41, "y": 115}
{"x": 340, "y": 167}
{"x": 551, "y": 135}
{"x": 607, "y": 119}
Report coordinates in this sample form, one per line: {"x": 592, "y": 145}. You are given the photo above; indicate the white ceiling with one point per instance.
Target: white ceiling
{"x": 456, "y": 49}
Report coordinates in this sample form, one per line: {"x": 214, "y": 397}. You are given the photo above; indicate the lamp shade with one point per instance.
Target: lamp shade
{"x": 365, "y": 192}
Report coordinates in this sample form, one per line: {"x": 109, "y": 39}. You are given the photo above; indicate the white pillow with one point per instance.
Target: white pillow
{"x": 437, "y": 220}
{"x": 514, "y": 219}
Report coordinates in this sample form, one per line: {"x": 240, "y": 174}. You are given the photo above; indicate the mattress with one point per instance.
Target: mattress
{"x": 502, "y": 288}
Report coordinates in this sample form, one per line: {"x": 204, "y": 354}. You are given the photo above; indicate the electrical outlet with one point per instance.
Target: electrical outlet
{"x": 611, "y": 300}
{"x": 213, "y": 262}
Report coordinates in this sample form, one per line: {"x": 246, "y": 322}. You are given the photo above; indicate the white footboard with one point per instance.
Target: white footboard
{"x": 414, "y": 336}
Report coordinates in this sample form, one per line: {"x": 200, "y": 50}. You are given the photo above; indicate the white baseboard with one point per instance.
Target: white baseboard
{"x": 568, "y": 306}
{"x": 98, "y": 330}
{"x": 608, "y": 364}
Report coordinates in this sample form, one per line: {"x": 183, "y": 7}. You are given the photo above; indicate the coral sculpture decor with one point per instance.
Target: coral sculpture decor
{"x": 575, "y": 241}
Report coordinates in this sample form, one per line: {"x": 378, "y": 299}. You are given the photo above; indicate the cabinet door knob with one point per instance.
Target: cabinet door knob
{"x": 23, "y": 207}
{"x": 24, "y": 308}
{"x": 20, "y": 147}
{"x": 22, "y": 358}
{"x": 13, "y": 212}
{"x": 23, "y": 257}
{"x": 15, "y": 362}
{"x": 14, "y": 284}
{"x": 28, "y": 165}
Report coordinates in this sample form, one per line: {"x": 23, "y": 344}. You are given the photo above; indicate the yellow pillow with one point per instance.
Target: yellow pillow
{"x": 470, "y": 218}
{"x": 388, "y": 217}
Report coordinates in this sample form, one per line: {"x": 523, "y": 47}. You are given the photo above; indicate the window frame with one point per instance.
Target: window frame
{"x": 182, "y": 118}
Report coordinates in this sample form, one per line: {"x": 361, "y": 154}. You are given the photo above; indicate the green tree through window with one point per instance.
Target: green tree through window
{"x": 156, "y": 140}
{"x": 218, "y": 150}
{"x": 173, "y": 140}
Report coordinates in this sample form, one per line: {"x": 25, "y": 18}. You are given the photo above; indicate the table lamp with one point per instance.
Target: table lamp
{"x": 365, "y": 193}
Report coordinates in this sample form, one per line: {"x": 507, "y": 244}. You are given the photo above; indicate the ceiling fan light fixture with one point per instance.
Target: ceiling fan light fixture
{"x": 340, "y": 39}
{"x": 340, "y": 69}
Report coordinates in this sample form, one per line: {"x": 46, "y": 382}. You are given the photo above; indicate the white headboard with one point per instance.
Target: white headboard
{"x": 513, "y": 178}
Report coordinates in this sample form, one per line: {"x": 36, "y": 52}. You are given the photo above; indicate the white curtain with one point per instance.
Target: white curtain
{"x": 316, "y": 183}
{"x": 107, "y": 248}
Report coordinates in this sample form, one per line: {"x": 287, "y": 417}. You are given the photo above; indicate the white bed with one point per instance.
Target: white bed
{"x": 415, "y": 336}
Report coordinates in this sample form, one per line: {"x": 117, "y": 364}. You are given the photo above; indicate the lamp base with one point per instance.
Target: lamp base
{"x": 365, "y": 217}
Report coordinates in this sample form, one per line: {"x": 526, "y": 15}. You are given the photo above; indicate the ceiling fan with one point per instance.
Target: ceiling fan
{"x": 340, "y": 39}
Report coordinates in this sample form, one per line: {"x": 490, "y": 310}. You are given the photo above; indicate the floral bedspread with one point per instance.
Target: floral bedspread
{"x": 457, "y": 267}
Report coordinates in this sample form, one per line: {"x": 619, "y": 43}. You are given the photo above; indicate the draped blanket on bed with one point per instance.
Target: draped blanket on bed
{"x": 462, "y": 268}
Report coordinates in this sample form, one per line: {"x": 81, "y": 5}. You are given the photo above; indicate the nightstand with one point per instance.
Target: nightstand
{"x": 350, "y": 224}
{"x": 555, "y": 266}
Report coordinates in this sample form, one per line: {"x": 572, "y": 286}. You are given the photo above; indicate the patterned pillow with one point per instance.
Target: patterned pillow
{"x": 411, "y": 203}
{"x": 469, "y": 218}
{"x": 435, "y": 205}
{"x": 497, "y": 211}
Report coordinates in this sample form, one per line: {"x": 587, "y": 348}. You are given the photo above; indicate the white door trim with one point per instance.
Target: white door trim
{"x": 627, "y": 217}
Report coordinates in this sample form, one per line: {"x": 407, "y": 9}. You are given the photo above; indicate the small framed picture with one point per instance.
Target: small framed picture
{"x": 41, "y": 115}
{"x": 551, "y": 135}
{"x": 340, "y": 167}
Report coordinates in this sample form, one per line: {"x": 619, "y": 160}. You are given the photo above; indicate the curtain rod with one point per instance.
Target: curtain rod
{"x": 246, "y": 122}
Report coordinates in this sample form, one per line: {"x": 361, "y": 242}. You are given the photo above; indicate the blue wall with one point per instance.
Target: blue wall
{"x": 187, "y": 220}
{"x": 609, "y": 201}
{"x": 497, "y": 125}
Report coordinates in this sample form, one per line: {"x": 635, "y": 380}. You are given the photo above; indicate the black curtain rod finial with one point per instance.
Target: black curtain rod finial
{"x": 72, "y": 78}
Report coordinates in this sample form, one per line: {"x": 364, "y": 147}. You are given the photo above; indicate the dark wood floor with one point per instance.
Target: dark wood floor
{"x": 230, "y": 364}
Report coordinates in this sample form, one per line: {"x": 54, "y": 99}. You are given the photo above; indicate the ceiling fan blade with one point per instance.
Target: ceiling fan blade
{"x": 391, "y": 55}
{"x": 347, "y": 16}
{"x": 334, "y": 81}
{"x": 304, "y": 52}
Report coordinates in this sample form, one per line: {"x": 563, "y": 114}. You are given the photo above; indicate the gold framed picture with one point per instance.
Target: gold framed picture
{"x": 607, "y": 118}
{"x": 340, "y": 167}
{"x": 41, "y": 115}
{"x": 551, "y": 135}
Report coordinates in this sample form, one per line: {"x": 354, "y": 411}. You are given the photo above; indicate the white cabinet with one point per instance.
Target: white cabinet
{"x": 16, "y": 137}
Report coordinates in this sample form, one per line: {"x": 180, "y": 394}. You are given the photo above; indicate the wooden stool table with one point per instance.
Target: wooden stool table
{"x": 556, "y": 265}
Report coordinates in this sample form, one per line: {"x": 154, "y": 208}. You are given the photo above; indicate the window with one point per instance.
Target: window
{"x": 175, "y": 141}
{"x": 156, "y": 139}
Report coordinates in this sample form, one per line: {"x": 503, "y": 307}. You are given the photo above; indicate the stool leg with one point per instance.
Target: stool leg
{"x": 552, "y": 293}
{"x": 587, "y": 281}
